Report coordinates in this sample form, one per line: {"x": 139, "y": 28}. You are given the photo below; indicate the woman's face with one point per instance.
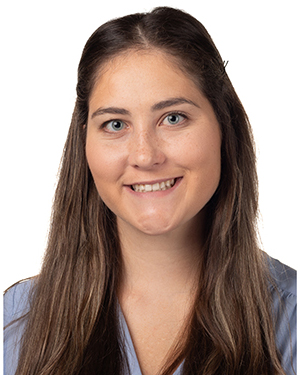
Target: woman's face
{"x": 153, "y": 143}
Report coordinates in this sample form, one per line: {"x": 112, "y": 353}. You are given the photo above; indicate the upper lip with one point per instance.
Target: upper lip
{"x": 152, "y": 182}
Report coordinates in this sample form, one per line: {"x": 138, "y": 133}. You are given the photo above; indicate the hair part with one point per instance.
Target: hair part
{"x": 73, "y": 326}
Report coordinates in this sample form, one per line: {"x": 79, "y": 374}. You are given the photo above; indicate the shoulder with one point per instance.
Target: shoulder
{"x": 284, "y": 298}
{"x": 283, "y": 290}
{"x": 284, "y": 277}
{"x": 16, "y": 304}
{"x": 16, "y": 300}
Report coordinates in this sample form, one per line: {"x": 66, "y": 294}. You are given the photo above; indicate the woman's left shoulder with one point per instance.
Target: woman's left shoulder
{"x": 284, "y": 297}
{"x": 285, "y": 278}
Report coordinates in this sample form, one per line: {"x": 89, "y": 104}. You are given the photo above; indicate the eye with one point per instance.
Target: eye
{"x": 114, "y": 125}
{"x": 173, "y": 119}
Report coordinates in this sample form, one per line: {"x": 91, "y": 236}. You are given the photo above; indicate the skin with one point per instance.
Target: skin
{"x": 161, "y": 231}
{"x": 148, "y": 148}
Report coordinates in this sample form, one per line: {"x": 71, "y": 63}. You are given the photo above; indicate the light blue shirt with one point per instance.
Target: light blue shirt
{"x": 16, "y": 305}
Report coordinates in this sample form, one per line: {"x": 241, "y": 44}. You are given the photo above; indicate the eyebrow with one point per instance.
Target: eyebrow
{"x": 170, "y": 102}
{"x": 156, "y": 107}
{"x": 111, "y": 110}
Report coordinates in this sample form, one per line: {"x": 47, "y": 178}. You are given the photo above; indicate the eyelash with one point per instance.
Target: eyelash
{"x": 106, "y": 123}
{"x": 176, "y": 113}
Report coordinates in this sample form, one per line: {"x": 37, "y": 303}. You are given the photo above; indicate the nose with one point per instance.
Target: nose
{"x": 146, "y": 150}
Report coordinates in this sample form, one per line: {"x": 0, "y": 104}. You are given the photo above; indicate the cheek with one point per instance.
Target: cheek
{"x": 104, "y": 162}
{"x": 94, "y": 156}
{"x": 200, "y": 149}
{"x": 203, "y": 156}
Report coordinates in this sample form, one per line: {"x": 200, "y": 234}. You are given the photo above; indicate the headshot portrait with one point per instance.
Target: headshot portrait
{"x": 150, "y": 208}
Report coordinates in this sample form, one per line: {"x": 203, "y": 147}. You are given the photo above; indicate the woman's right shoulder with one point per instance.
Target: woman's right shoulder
{"x": 16, "y": 300}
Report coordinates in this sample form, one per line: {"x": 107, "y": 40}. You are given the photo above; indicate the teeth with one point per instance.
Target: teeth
{"x": 140, "y": 188}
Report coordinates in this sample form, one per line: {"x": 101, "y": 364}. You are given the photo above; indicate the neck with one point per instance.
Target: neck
{"x": 163, "y": 265}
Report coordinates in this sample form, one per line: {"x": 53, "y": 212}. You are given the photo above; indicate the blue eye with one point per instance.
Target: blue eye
{"x": 173, "y": 119}
{"x": 115, "y": 125}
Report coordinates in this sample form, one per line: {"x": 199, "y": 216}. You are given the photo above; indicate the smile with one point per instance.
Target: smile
{"x": 158, "y": 186}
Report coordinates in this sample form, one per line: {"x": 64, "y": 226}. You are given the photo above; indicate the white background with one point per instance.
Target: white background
{"x": 41, "y": 46}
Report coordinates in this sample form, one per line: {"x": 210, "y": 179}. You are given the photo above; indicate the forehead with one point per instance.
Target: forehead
{"x": 142, "y": 75}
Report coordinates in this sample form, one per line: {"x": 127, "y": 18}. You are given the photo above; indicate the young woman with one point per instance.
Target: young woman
{"x": 152, "y": 265}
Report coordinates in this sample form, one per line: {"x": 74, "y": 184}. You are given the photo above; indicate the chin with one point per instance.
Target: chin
{"x": 158, "y": 227}
{"x": 154, "y": 230}
{"x": 151, "y": 227}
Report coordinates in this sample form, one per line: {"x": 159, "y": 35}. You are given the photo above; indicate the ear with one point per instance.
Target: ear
{"x": 84, "y": 127}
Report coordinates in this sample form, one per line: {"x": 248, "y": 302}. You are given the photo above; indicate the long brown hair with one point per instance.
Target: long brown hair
{"x": 72, "y": 326}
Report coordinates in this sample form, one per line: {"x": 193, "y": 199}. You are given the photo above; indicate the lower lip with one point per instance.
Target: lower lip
{"x": 155, "y": 194}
